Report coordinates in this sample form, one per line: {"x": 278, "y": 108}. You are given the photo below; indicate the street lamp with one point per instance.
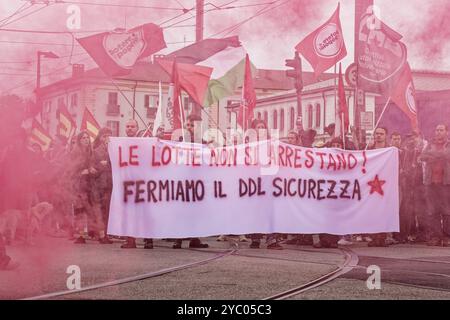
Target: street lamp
{"x": 44, "y": 54}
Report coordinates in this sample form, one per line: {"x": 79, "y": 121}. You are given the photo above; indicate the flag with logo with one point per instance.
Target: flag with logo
{"x": 89, "y": 124}
{"x": 248, "y": 102}
{"x": 66, "y": 124}
{"x": 40, "y": 136}
{"x": 324, "y": 47}
{"x": 381, "y": 55}
{"x": 117, "y": 52}
{"x": 404, "y": 95}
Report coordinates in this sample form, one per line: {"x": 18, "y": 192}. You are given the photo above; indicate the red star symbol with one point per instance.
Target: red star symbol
{"x": 376, "y": 185}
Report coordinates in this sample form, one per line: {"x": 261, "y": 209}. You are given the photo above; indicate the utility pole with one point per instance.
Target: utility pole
{"x": 196, "y": 109}
{"x": 361, "y": 8}
{"x": 44, "y": 54}
{"x": 200, "y": 4}
{"x": 296, "y": 74}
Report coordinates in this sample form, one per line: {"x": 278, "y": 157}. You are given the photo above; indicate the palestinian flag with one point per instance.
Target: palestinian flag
{"x": 40, "y": 136}
{"x": 226, "y": 57}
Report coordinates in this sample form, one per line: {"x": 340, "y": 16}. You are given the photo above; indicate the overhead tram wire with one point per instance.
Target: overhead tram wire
{"x": 232, "y": 28}
{"x": 92, "y": 31}
{"x": 117, "y": 5}
{"x": 18, "y": 11}
{"x": 24, "y": 16}
{"x": 44, "y": 75}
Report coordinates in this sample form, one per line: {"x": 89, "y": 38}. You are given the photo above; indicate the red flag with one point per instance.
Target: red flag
{"x": 66, "y": 125}
{"x": 248, "y": 102}
{"x": 324, "y": 47}
{"x": 404, "y": 95}
{"x": 40, "y": 136}
{"x": 117, "y": 52}
{"x": 342, "y": 116}
{"x": 192, "y": 78}
{"x": 89, "y": 124}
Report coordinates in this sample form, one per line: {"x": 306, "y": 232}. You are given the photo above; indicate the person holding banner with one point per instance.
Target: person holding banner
{"x": 273, "y": 239}
{"x": 436, "y": 157}
{"x": 87, "y": 203}
{"x": 379, "y": 239}
{"x": 132, "y": 130}
{"x": 194, "y": 242}
{"x": 103, "y": 166}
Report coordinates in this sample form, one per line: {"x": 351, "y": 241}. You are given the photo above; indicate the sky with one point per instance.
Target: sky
{"x": 269, "y": 37}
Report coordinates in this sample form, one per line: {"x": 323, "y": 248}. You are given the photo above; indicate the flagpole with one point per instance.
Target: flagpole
{"x": 335, "y": 100}
{"x": 379, "y": 119}
{"x": 210, "y": 118}
{"x": 343, "y": 126}
{"x": 182, "y": 116}
{"x": 160, "y": 112}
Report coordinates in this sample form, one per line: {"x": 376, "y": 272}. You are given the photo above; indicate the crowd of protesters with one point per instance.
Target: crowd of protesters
{"x": 75, "y": 177}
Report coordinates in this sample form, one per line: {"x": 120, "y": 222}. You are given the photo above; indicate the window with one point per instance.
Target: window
{"x": 61, "y": 102}
{"x": 282, "y": 120}
{"x": 310, "y": 116}
{"x": 266, "y": 116}
{"x": 275, "y": 120}
{"x": 112, "y": 99}
{"x": 259, "y": 116}
{"x": 47, "y": 107}
{"x": 186, "y": 102}
{"x": 113, "y": 108}
{"x": 317, "y": 115}
{"x": 151, "y": 101}
{"x": 74, "y": 101}
{"x": 292, "y": 119}
{"x": 114, "y": 126}
{"x": 151, "y": 105}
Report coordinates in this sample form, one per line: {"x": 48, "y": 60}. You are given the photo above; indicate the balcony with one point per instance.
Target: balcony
{"x": 112, "y": 110}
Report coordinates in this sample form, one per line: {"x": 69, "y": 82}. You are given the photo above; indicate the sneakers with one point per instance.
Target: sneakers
{"x": 11, "y": 265}
{"x": 255, "y": 245}
{"x": 148, "y": 244}
{"x": 292, "y": 241}
{"x": 177, "y": 245}
{"x": 344, "y": 242}
{"x": 198, "y": 244}
{"x": 242, "y": 238}
{"x": 221, "y": 238}
{"x": 434, "y": 242}
{"x": 129, "y": 245}
{"x": 377, "y": 243}
{"x": 105, "y": 240}
{"x": 274, "y": 246}
{"x": 80, "y": 240}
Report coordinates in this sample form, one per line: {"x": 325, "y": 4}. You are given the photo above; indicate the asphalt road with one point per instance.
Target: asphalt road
{"x": 407, "y": 271}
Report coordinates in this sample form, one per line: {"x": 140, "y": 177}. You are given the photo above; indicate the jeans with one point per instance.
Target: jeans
{"x": 438, "y": 215}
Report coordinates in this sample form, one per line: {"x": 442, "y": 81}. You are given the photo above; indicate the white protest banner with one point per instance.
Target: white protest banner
{"x": 165, "y": 189}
